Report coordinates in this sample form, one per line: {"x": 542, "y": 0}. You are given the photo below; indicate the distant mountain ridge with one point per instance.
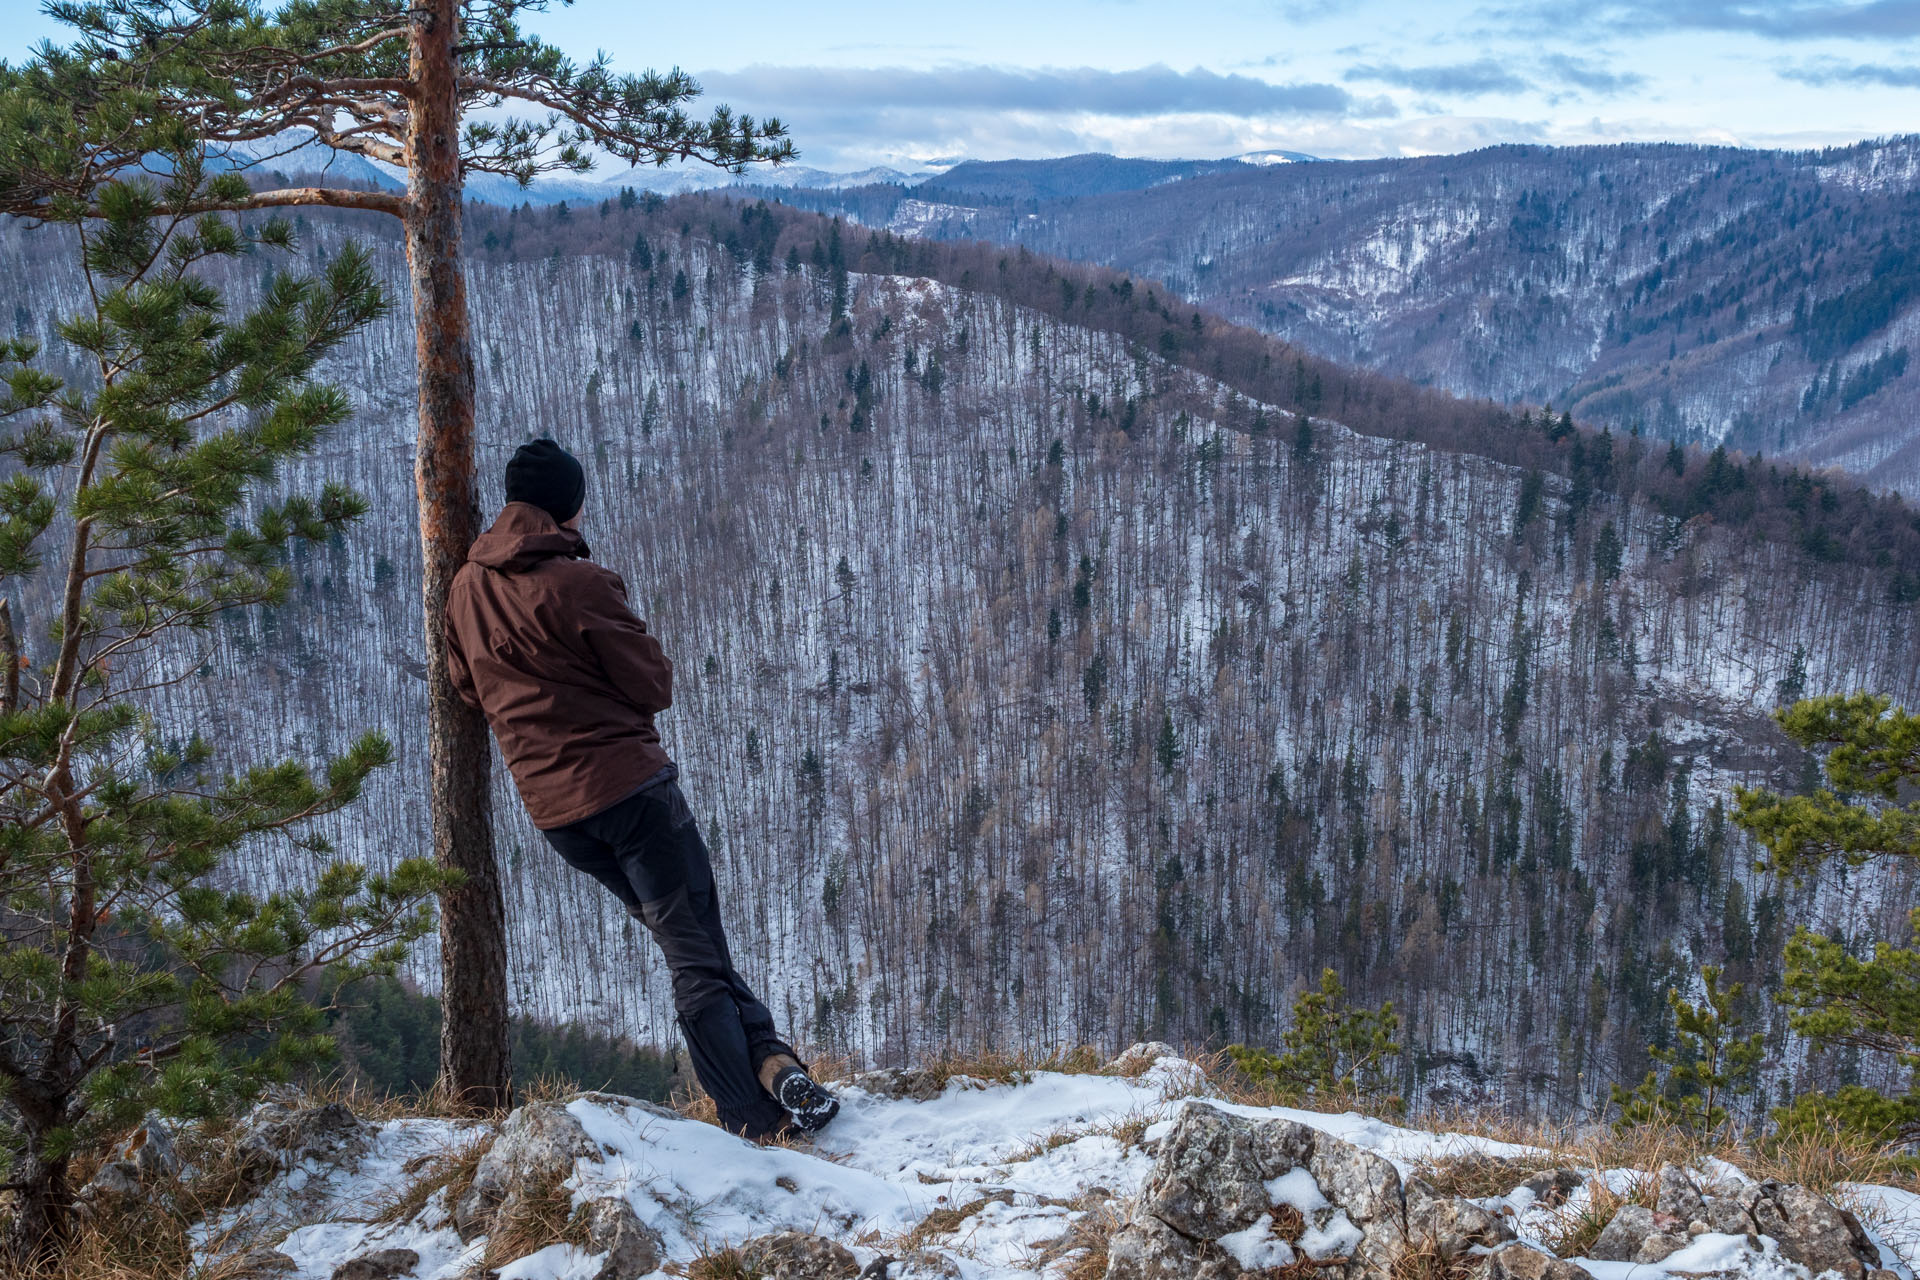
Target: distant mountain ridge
{"x": 1064, "y": 177}
{"x": 1760, "y": 299}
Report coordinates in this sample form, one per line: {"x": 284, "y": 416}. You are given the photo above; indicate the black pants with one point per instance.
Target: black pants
{"x": 647, "y": 850}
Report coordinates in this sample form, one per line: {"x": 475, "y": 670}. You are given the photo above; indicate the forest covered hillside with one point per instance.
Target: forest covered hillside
{"x": 1056, "y": 664}
{"x": 1764, "y": 299}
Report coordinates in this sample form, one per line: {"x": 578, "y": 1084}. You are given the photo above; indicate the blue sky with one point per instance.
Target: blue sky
{"x": 869, "y": 82}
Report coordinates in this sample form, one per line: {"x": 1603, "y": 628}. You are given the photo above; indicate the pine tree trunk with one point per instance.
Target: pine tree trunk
{"x": 43, "y": 1196}
{"x": 474, "y": 1064}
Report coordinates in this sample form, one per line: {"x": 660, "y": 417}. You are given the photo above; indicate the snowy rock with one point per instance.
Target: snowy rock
{"x": 1452, "y": 1227}
{"x": 1149, "y": 1249}
{"x": 1367, "y": 1187}
{"x": 1210, "y": 1176}
{"x": 911, "y": 1084}
{"x": 1724, "y": 1215}
{"x": 1637, "y": 1234}
{"x": 536, "y": 1146}
{"x": 382, "y": 1264}
{"x": 1136, "y": 1059}
{"x": 795, "y": 1255}
{"x": 147, "y": 1157}
{"x": 276, "y": 1136}
{"x": 1810, "y": 1229}
{"x": 1221, "y": 1185}
{"x": 1551, "y": 1187}
{"x": 1524, "y": 1262}
{"x": 1677, "y": 1197}
{"x": 632, "y": 1247}
{"x": 1681, "y": 1198}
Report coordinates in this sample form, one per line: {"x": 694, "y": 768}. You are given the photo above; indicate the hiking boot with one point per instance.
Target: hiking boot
{"x": 799, "y": 1093}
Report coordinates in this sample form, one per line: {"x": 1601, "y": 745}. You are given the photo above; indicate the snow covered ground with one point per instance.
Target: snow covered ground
{"x": 986, "y": 1180}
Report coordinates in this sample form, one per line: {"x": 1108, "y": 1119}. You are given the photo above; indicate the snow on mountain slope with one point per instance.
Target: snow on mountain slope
{"x": 926, "y": 665}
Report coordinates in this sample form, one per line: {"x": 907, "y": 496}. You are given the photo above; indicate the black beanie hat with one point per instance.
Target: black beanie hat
{"x": 549, "y": 477}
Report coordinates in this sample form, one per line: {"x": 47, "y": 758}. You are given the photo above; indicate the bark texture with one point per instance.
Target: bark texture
{"x": 474, "y": 1063}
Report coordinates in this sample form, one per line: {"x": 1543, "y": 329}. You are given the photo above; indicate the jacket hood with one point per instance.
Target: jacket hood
{"x": 522, "y": 537}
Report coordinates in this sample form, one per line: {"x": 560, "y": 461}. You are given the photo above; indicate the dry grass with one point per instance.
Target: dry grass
{"x": 1051, "y": 1141}
{"x": 1089, "y": 1236}
{"x": 1424, "y": 1261}
{"x": 998, "y": 1067}
{"x": 1129, "y": 1130}
{"x": 451, "y": 1171}
{"x": 1235, "y": 1085}
{"x": 1822, "y": 1161}
{"x": 1477, "y": 1176}
{"x": 1581, "y": 1221}
{"x": 379, "y": 1105}
{"x": 722, "y": 1264}
{"x": 539, "y": 1215}
{"x": 152, "y": 1235}
{"x": 942, "y": 1222}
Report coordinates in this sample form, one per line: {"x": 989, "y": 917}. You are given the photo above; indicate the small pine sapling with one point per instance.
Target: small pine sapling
{"x": 1332, "y": 1050}
{"x": 1707, "y": 1066}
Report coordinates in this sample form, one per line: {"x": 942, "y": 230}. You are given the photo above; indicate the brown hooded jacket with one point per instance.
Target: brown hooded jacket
{"x": 540, "y": 638}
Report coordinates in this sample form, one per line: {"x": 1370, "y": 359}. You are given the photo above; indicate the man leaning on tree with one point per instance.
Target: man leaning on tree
{"x": 541, "y": 639}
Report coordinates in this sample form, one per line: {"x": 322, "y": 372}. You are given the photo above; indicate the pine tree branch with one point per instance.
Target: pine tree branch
{"x": 682, "y": 142}
{"x": 10, "y": 656}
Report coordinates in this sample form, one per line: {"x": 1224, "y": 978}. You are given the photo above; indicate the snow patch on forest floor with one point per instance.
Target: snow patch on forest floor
{"x": 984, "y": 1180}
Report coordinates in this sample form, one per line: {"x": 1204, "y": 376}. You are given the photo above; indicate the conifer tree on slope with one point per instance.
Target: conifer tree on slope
{"x": 133, "y": 974}
{"x": 1866, "y": 813}
{"x": 395, "y": 81}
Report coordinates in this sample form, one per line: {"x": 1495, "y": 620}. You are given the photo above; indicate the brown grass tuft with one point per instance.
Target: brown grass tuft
{"x": 1477, "y": 1176}
{"x": 946, "y": 1221}
{"x": 1424, "y": 1261}
{"x": 451, "y": 1171}
{"x": 540, "y": 1215}
{"x": 724, "y": 1264}
{"x": 1822, "y": 1161}
{"x": 1088, "y": 1236}
{"x": 1582, "y": 1221}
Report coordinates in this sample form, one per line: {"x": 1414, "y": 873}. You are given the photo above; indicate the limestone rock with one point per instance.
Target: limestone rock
{"x": 1216, "y": 1174}
{"x": 382, "y": 1264}
{"x": 278, "y": 1135}
{"x": 913, "y": 1084}
{"x": 1724, "y": 1214}
{"x": 148, "y": 1157}
{"x": 1623, "y": 1236}
{"x": 1810, "y": 1229}
{"x": 795, "y": 1255}
{"x": 632, "y": 1247}
{"x": 1367, "y": 1187}
{"x": 1452, "y": 1226}
{"x": 1137, "y": 1058}
{"x": 1210, "y": 1174}
{"x": 1149, "y": 1249}
{"x": 536, "y": 1146}
{"x": 1677, "y": 1196}
{"x": 1524, "y": 1262}
{"x": 1659, "y": 1246}
{"x": 1551, "y": 1187}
